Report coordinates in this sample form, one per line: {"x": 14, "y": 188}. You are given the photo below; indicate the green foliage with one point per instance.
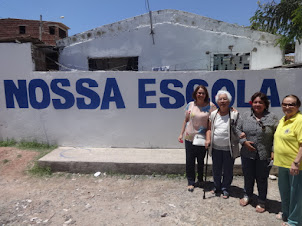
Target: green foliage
{"x": 284, "y": 19}
{"x": 37, "y": 170}
{"x": 34, "y": 145}
{"x": 5, "y": 161}
{"x": 8, "y": 143}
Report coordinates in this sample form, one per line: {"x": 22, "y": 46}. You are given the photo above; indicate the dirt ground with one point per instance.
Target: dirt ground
{"x": 77, "y": 199}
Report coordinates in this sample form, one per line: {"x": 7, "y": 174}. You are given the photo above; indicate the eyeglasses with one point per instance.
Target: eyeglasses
{"x": 288, "y": 105}
{"x": 223, "y": 98}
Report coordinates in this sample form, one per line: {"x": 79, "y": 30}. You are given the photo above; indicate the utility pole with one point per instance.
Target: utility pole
{"x": 40, "y": 28}
{"x": 151, "y": 23}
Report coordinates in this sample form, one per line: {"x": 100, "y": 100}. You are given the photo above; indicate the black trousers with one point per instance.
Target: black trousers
{"x": 192, "y": 153}
{"x": 255, "y": 170}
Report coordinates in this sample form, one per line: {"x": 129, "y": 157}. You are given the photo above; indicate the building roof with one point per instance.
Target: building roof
{"x": 53, "y": 22}
{"x": 172, "y": 17}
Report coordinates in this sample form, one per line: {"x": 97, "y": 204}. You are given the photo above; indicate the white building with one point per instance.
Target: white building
{"x": 171, "y": 40}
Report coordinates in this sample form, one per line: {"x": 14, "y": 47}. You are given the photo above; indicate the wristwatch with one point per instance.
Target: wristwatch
{"x": 296, "y": 164}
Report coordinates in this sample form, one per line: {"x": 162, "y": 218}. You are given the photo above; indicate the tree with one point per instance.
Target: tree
{"x": 284, "y": 19}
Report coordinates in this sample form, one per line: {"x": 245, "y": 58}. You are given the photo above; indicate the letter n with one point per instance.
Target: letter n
{"x": 20, "y": 93}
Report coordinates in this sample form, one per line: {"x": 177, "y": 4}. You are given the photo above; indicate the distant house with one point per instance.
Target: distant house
{"x": 43, "y": 36}
{"x": 170, "y": 40}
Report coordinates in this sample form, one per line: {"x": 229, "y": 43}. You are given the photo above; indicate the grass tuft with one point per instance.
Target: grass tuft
{"x": 4, "y": 161}
{"x": 8, "y": 143}
{"x": 41, "y": 148}
{"x": 34, "y": 145}
{"x": 37, "y": 170}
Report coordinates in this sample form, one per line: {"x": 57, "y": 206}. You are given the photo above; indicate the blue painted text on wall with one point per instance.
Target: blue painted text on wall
{"x": 25, "y": 93}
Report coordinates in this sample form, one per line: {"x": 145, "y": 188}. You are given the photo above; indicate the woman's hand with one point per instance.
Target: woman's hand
{"x": 207, "y": 143}
{"x": 294, "y": 169}
{"x": 180, "y": 140}
{"x": 242, "y": 135}
{"x": 249, "y": 145}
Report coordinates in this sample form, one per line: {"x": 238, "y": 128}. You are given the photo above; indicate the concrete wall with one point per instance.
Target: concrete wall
{"x": 183, "y": 41}
{"x": 121, "y": 109}
{"x": 298, "y": 52}
{"x": 15, "y": 59}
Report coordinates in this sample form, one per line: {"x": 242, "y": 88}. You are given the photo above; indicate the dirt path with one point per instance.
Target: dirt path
{"x": 75, "y": 199}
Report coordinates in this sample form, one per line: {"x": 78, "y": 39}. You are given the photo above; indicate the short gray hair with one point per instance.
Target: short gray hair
{"x": 223, "y": 92}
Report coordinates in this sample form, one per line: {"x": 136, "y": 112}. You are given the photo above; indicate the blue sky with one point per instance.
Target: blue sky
{"x": 82, "y": 16}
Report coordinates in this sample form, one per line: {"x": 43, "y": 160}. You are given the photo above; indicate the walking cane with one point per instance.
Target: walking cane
{"x": 205, "y": 176}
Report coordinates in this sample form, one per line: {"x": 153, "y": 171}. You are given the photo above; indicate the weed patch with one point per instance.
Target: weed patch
{"x": 8, "y": 143}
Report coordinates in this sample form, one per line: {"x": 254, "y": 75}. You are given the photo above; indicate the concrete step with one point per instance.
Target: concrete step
{"x": 122, "y": 160}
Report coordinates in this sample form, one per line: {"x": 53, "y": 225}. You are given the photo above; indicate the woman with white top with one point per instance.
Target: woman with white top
{"x": 224, "y": 146}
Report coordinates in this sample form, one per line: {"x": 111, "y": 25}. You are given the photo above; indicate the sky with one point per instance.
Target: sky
{"x": 81, "y": 16}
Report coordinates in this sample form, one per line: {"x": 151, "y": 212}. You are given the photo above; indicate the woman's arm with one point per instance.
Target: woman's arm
{"x": 294, "y": 169}
{"x": 242, "y": 136}
{"x": 180, "y": 138}
{"x": 208, "y": 135}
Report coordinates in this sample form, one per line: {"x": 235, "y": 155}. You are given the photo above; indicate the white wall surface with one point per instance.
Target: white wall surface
{"x": 15, "y": 59}
{"x": 298, "y": 52}
{"x": 131, "y": 126}
{"x": 181, "y": 42}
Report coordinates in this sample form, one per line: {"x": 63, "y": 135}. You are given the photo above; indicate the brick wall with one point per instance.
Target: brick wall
{"x": 10, "y": 28}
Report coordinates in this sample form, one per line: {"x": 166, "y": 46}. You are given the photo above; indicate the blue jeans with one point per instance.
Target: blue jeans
{"x": 255, "y": 170}
{"x": 290, "y": 188}
{"x": 194, "y": 152}
{"x": 223, "y": 164}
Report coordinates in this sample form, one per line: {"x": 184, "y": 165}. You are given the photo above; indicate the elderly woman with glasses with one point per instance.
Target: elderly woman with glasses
{"x": 257, "y": 128}
{"x": 288, "y": 157}
{"x": 224, "y": 146}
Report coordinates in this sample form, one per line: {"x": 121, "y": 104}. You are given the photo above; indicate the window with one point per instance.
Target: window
{"x": 113, "y": 64}
{"x": 246, "y": 66}
{"x": 52, "y": 30}
{"x": 62, "y": 33}
{"x": 237, "y": 61}
{"x": 22, "y": 29}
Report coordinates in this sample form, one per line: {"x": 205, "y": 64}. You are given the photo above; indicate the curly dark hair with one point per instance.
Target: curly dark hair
{"x": 262, "y": 97}
{"x": 206, "y": 98}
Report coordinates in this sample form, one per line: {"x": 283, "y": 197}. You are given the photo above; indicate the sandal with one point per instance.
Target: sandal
{"x": 225, "y": 195}
{"x": 279, "y": 216}
{"x": 285, "y": 224}
{"x": 244, "y": 201}
{"x": 190, "y": 188}
{"x": 260, "y": 208}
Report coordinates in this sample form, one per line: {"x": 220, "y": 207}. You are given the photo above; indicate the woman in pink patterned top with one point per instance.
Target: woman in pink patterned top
{"x": 196, "y": 122}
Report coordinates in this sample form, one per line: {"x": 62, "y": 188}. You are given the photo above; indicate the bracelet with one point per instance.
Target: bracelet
{"x": 297, "y": 163}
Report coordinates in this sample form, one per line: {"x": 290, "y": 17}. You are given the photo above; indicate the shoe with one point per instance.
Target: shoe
{"x": 190, "y": 188}
{"x": 244, "y": 201}
{"x": 225, "y": 194}
{"x": 272, "y": 177}
{"x": 279, "y": 216}
{"x": 215, "y": 192}
{"x": 260, "y": 208}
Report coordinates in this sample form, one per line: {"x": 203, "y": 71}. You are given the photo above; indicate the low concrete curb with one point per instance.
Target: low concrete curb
{"x": 122, "y": 160}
